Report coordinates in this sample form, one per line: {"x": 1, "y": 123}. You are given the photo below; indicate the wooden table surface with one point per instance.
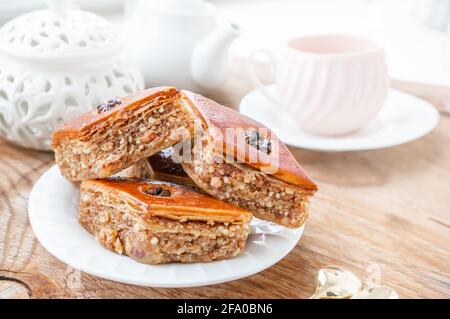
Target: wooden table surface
{"x": 382, "y": 214}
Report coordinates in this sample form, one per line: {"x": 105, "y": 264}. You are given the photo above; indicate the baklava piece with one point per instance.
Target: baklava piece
{"x": 157, "y": 222}
{"x": 250, "y": 168}
{"x": 162, "y": 166}
{"x": 120, "y": 132}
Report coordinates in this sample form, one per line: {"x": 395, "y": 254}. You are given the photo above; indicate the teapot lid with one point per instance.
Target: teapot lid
{"x": 59, "y": 31}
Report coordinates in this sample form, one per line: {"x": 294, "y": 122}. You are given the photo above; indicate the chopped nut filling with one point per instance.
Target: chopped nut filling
{"x": 122, "y": 228}
{"x": 118, "y": 143}
{"x": 239, "y": 184}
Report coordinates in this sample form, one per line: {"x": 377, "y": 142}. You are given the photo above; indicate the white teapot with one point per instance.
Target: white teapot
{"x": 56, "y": 64}
{"x": 180, "y": 43}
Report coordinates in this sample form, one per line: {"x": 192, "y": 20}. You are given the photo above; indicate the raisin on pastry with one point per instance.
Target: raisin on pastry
{"x": 158, "y": 222}
{"x": 250, "y": 168}
{"x": 120, "y": 132}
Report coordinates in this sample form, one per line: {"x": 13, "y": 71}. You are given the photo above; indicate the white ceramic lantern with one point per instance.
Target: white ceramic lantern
{"x": 56, "y": 64}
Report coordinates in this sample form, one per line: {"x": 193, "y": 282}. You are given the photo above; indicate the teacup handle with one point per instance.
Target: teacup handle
{"x": 254, "y": 77}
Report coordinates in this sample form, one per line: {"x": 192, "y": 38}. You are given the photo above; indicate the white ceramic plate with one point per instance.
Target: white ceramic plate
{"x": 53, "y": 209}
{"x": 403, "y": 118}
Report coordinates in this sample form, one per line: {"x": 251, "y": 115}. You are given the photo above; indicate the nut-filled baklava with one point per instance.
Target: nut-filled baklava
{"x": 120, "y": 132}
{"x": 239, "y": 160}
{"x": 159, "y": 222}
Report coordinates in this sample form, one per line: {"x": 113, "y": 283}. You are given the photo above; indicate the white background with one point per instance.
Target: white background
{"x": 415, "y": 52}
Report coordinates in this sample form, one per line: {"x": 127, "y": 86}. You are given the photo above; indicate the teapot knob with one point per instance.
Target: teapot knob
{"x": 59, "y": 8}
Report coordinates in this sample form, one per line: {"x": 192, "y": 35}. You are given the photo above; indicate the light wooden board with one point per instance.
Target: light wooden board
{"x": 384, "y": 214}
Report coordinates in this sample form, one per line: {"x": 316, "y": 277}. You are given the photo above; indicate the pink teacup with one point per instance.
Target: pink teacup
{"x": 330, "y": 84}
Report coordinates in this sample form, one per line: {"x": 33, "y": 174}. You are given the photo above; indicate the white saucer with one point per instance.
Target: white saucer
{"x": 404, "y": 118}
{"x": 53, "y": 209}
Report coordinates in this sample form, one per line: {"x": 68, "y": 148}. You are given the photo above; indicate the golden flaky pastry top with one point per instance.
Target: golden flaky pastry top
{"x": 215, "y": 118}
{"x": 218, "y": 118}
{"x": 163, "y": 199}
{"x": 90, "y": 121}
